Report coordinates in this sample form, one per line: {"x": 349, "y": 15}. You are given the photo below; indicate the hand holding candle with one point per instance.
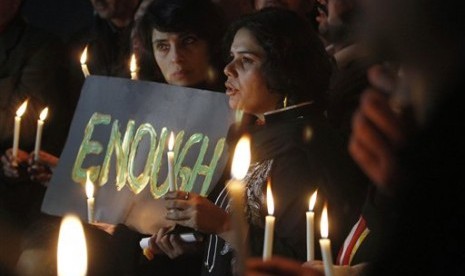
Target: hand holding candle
{"x": 170, "y": 154}
{"x": 133, "y": 67}
{"x": 325, "y": 244}
{"x": 17, "y": 129}
{"x": 40, "y": 125}
{"x": 90, "y": 198}
{"x": 269, "y": 224}
{"x": 83, "y": 60}
{"x": 311, "y": 228}
{"x": 236, "y": 189}
{"x": 72, "y": 249}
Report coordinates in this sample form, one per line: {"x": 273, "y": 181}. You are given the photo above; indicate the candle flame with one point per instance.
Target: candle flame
{"x": 89, "y": 186}
{"x": 133, "y": 64}
{"x": 21, "y": 109}
{"x": 72, "y": 249}
{"x": 324, "y": 225}
{"x": 269, "y": 199}
{"x": 43, "y": 114}
{"x": 241, "y": 159}
{"x": 312, "y": 201}
{"x": 84, "y": 56}
{"x": 171, "y": 142}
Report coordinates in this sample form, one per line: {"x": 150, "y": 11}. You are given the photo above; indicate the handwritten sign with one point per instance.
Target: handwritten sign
{"x": 120, "y": 134}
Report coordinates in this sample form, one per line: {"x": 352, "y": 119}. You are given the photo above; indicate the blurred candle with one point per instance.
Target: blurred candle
{"x": 17, "y": 129}
{"x": 325, "y": 244}
{"x": 40, "y": 126}
{"x": 236, "y": 189}
{"x": 269, "y": 224}
{"x": 90, "y": 198}
{"x": 311, "y": 227}
{"x": 133, "y": 67}
{"x": 72, "y": 249}
{"x": 170, "y": 155}
{"x": 84, "y": 68}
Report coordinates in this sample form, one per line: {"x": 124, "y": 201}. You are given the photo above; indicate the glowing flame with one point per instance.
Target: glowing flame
{"x": 133, "y": 64}
{"x": 324, "y": 225}
{"x": 21, "y": 109}
{"x": 84, "y": 56}
{"x": 72, "y": 249}
{"x": 43, "y": 114}
{"x": 89, "y": 186}
{"x": 171, "y": 142}
{"x": 241, "y": 159}
{"x": 312, "y": 201}
{"x": 269, "y": 199}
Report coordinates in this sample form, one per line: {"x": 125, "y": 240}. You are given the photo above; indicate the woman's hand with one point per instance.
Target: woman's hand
{"x": 171, "y": 244}
{"x": 10, "y": 164}
{"x": 197, "y": 212}
{"x": 41, "y": 170}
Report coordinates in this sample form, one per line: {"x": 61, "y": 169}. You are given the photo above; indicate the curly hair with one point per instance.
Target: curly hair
{"x": 296, "y": 64}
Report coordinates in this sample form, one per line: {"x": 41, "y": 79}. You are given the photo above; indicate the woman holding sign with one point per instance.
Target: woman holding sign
{"x": 278, "y": 74}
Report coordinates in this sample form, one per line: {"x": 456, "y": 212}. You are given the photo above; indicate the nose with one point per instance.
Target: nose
{"x": 177, "y": 55}
{"x": 229, "y": 69}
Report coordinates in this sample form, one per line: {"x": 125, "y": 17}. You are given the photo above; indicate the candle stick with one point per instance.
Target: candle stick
{"x": 269, "y": 224}
{"x": 236, "y": 189}
{"x": 170, "y": 154}
{"x": 72, "y": 249}
{"x": 40, "y": 125}
{"x": 325, "y": 244}
{"x": 90, "y": 198}
{"x": 311, "y": 228}
{"x": 133, "y": 67}
{"x": 17, "y": 129}
{"x": 84, "y": 68}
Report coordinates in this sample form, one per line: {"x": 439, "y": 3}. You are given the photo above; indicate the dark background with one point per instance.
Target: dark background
{"x": 61, "y": 17}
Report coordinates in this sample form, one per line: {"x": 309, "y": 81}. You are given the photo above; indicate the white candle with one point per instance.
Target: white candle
{"x": 90, "y": 198}
{"x": 325, "y": 244}
{"x": 72, "y": 249}
{"x": 170, "y": 155}
{"x": 40, "y": 125}
{"x": 269, "y": 225}
{"x": 311, "y": 228}
{"x": 236, "y": 189}
{"x": 133, "y": 67}
{"x": 17, "y": 129}
{"x": 84, "y": 68}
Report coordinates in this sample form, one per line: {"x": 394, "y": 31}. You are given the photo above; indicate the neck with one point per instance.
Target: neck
{"x": 121, "y": 23}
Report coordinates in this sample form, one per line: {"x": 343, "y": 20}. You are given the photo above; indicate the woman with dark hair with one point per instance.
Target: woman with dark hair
{"x": 181, "y": 41}
{"x": 278, "y": 75}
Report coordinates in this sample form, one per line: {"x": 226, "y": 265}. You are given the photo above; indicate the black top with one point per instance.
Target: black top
{"x": 300, "y": 152}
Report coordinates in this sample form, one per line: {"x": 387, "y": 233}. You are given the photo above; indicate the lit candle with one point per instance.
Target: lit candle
{"x": 72, "y": 249}
{"x": 311, "y": 228}
{"x": 236, "y": 189}
{"x": 269, "y": 224}
{"x": 170, "y": 154}
{"x": 133, "y": 67}
{"x": 90, "y": 198}
{"x": 40, "y": 126}
{"x": 84, "y": 68}
{"x": 17, "y": 128}
{"x": 325, "y": 244}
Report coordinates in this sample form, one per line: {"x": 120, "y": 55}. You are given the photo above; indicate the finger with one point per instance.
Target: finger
{"x": 382, "y": 78}
{"x": 177, "y": 215}
{"x": 173, "y": 195}
{"x": 161, "y": 241}
{"x": 177, "y": 204}
{"x": 376, "y": 108}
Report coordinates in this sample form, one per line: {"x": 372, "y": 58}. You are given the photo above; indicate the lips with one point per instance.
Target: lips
{"x": 179, "y": 74}
{"x": 230, "y": 89}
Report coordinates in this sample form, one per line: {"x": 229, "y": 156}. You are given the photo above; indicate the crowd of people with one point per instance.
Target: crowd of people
{"x": 359, "y": 100}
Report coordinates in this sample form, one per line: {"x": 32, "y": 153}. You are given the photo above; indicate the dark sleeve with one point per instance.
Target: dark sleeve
{"x": 126, "y": 246}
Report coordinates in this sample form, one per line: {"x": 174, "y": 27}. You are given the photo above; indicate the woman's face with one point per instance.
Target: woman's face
{"x": 246, "y": 85}
{"x": 183, "y": 58}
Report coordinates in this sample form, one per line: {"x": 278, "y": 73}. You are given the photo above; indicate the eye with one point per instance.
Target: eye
{"x": 246, "y": 60}
{"x": 162, "y": 47}
{"x": 189, "y": 40}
